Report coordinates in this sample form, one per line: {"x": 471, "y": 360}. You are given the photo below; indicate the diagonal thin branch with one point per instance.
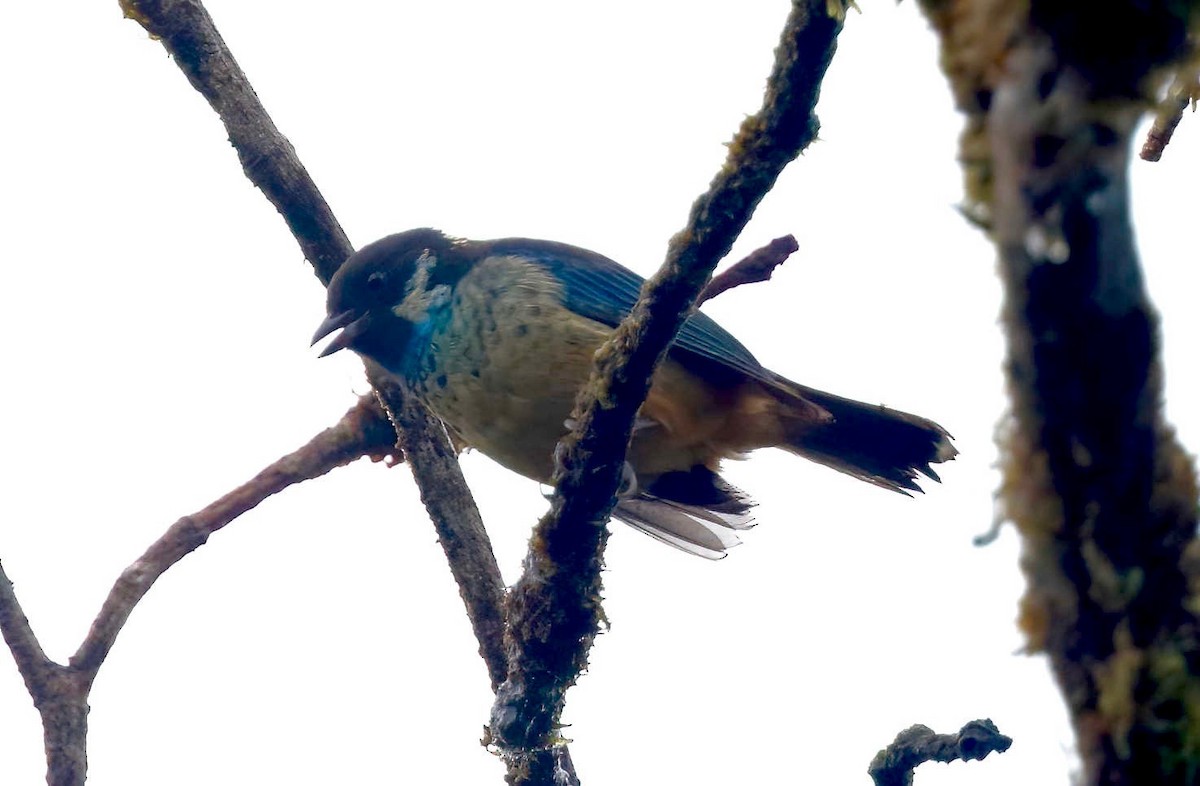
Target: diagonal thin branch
{"x": 18, "y": 634}
{"x": 60, "y": 692}
{"x": 467, "y": 547}
{"x": 758, "y": 266}
{"x": 554, "y": 609}
{"x": 269, "y": 161}
{"x": 363, "y": 430}
{"x": 187, "y": 32}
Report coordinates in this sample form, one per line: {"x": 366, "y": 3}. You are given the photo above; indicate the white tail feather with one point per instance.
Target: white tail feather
{"x": 677, "y": 527}
{"x": 738, "y": 521}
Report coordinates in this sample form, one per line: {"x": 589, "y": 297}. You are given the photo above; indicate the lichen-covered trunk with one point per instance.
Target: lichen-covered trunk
{"x": 1094, "y": 479}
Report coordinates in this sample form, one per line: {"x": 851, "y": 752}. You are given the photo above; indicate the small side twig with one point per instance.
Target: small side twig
{"x": 1182, "y": 95}
{"x": 1159, "y": 135}
{"x": 757, "y": 266}
{"x": 554, "y": 609}
{"x": 894, "y": 765}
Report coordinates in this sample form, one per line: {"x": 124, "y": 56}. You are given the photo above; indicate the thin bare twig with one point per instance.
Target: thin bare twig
{"x": 554, "y": 609}
{"x": 1183, "y": 93}
{"x": 758, "y": 266}
{"x": 1159, "y": 135}
{"x": 894, "y": 765}
{"x": 22, "y": 642}
{"x": 189, "y": 35}
{"x": 362, "y": 431}
{"x": 187, "y": 32}
{"x": 467, "y": 547}
{"x": 59, "y": 695}
{"x": 60, "y": 692}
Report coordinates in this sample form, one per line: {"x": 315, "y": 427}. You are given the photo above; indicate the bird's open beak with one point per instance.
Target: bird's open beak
{"x": 351, "y": 323}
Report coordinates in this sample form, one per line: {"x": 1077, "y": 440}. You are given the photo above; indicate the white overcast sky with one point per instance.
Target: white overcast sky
{"x": 156, "y": 317}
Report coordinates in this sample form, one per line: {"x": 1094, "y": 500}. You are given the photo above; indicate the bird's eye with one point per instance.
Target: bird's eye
{"x": 375, "y": 282}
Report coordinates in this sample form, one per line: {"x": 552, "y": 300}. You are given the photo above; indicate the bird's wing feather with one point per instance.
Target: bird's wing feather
{"x": 601, "y": 289}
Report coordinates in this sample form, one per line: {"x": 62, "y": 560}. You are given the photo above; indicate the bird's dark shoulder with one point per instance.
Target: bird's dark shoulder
{"x": 601, "y": 289}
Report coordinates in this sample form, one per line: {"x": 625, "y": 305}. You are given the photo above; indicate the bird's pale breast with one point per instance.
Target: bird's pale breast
{"x": 505, "y": 367}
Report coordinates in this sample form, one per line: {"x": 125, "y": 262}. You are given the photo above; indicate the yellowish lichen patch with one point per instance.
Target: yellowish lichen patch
{"x": 131, "y": 10}
{"x": 1116, "y": 679}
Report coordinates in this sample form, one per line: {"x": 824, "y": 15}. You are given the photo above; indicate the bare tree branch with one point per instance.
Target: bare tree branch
{"x": 467, "y": 547}
{"x": 1165, "y": 123}
{"x": 361, "y": 431}
{"x": 60, "y": 692}
{"x": 756, "y": 267}
{"x": 1184, "y": 92}
{"x": 1103, "y": 494}
{"x": 894, "y": 765}
{"x": 269, "y": 161}
{"x": 554, "y": 609}
{"x": 21, "y": 640}
{"x": 59, "y": 695}
{"x": 187, "y": 32}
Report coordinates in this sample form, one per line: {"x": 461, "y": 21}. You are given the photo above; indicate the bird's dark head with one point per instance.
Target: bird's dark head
{"x": 385, "y": 297}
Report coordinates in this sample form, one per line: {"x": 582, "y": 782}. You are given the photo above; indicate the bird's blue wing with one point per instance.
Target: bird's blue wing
{"x": 601, "y": 289}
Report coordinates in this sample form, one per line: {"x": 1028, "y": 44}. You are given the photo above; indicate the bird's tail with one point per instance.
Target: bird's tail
{"x": 868, "y": 441}
{"x": 698, "y": 511}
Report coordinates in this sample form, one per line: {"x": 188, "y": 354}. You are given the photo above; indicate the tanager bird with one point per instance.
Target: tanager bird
{"x": 496, "y": 338}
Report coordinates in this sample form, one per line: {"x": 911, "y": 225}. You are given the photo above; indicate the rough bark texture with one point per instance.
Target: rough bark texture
{"x": 186, "y": 30}
{"x": 758, "y": 266}
{"x": 554, "y": 609}
{"x": 894, "y": 765}
{"x": 467, "y": 546}
{"x": 1094, "y": 479}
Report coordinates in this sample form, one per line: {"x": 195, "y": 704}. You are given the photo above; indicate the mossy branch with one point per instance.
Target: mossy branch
{"x": 554, "y": 609}
{"x": 187, "y": 32}
{"x": 894, "y": 765}
{"x": 757, "y": 266}
{"x": 1101, "y": 491}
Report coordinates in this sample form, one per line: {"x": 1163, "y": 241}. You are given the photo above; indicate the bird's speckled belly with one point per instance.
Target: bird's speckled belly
{"x": 505, "y": 368}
